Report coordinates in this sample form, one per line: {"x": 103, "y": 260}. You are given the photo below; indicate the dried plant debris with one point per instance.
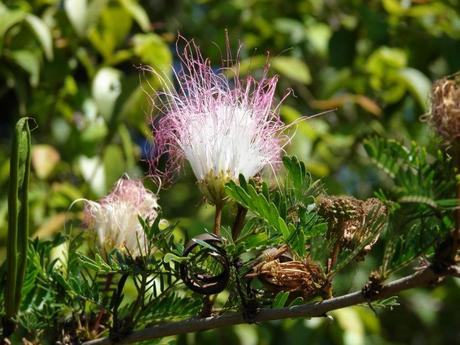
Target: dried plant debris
{"x": 278, "y": 271}
{"x": 445, "y": 108}
{"x": 347, "y": 217}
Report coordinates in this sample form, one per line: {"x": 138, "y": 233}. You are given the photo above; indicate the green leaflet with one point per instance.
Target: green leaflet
{"x": 247, "y": 196}
{"x": 288, "y": 211}
{"x": 280, "y": 299}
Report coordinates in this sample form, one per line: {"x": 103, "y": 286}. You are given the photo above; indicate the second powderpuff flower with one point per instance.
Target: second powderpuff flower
{"x": 115, "y": 218}
{"x": 223, "y": 127}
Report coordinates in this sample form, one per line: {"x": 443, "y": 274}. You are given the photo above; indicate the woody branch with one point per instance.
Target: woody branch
{"x": 422, "y": 278}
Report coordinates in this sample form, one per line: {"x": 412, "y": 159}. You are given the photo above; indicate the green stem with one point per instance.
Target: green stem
{"x": 217, "y": 220}
{"x": 208, "y": 302}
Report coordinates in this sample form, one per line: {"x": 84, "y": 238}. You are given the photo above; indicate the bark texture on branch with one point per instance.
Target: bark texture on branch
{"x": 421, "y": 278}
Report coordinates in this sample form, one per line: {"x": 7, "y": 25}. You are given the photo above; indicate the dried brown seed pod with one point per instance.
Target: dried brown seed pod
{"x": 339, "y": 211}
{"x": 279, "y": 272}
{"x": 304, "y": 277}
{"x": 346, "y": 218}
{"x": 445, "y": 108}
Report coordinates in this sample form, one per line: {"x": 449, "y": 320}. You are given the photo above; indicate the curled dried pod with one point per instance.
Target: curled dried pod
{"x": 207, "y": 271}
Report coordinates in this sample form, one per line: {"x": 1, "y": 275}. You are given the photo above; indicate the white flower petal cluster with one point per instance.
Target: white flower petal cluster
{"x": 224, "y": 141}
{"x": 115, "y": 217}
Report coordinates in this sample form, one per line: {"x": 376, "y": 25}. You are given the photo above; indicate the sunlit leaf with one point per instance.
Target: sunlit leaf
{"x": 43, "y": 34}
{"x": 44, "y": 160}
{"x": 76, "y": 11}
{"x": 137, "y": 12}
{"x": 9, "y": 18}
{"x": 152, "y": 50}
{"x": 92, "y": 170}
{"x": 418, "y": 84}
{"x": 29, "y": 62}
{"x": 106, "y": 89}
{"x": 292, "y": 68}
{"x": 114, "y": 164}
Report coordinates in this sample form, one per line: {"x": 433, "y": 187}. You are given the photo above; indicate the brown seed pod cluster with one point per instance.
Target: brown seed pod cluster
{"x": 346, "y": 218}
{"x": 279, "y": 272}
{"x": 445, "y": 108}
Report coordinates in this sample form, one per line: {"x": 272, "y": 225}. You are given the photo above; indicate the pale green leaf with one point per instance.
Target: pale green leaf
{"x": 43, "y": 34}
{"x": 106, "y": 89}
{"x": 418, "y": 84}
{"x": 292, "y": 68}
{"x": 9, "y": 18}
{"x": 44, "y": 160}
{"x": 93, "y": 13}
{"x": 92, "y": 171}
{"x": 113, "y": 171}
{"x": 152, "y": 50}
{"x": 137, "y": 12}
{"x": 248, "y": 65}
{"x": 76, "y": 11}
{"x": 29, "y": 62}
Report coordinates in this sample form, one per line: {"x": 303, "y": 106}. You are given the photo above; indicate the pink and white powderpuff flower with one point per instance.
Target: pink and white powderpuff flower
{"x": 224, "y": 127}
{"x": 115, "y": 217}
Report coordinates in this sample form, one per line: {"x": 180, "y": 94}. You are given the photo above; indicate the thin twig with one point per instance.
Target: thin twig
{"x": 332, "y": 260}
{"x": 208, "y": 302}
{"x": 418, "y": 279}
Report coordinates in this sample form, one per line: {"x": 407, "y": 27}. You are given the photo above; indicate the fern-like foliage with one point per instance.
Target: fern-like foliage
{"x": 422, "y": 198}
{"x": 94, "y": 290}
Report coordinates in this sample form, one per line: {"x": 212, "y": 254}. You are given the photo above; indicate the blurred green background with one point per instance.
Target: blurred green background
{"x": 73, "y": 66}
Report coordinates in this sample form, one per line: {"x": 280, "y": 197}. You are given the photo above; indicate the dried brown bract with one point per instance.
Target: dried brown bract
{"x": 445, "y": 108}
